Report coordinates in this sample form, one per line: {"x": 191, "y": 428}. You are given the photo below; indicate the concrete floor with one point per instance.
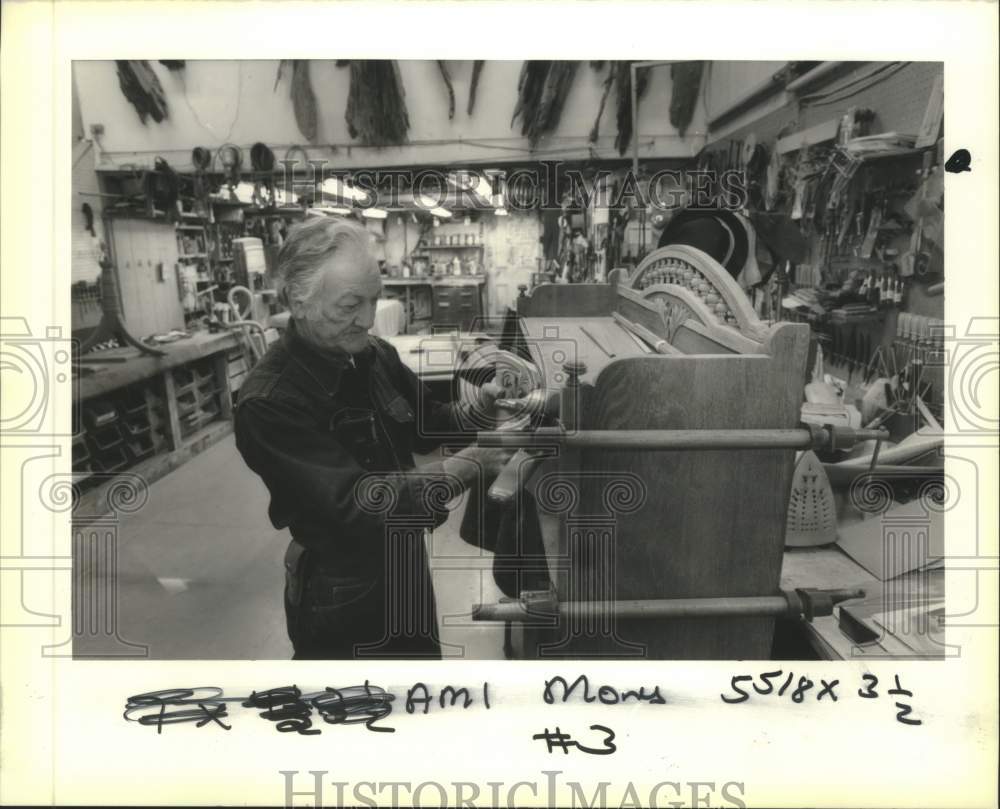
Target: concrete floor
{"x": 200, "y": 573}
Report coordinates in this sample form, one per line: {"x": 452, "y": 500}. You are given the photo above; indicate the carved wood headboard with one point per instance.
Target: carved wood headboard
{"x": 688, "y": 284}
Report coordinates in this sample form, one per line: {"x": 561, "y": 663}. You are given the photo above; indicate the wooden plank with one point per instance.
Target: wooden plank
{"x": 221, "y": 369}
{"x": 931, "y": 125}
{"x": 712, "y": 523}
{"x": 820, "y": 133}
{"x": 173, "y": 417}
{"x": 696, "y": 338}
{"x": 111, "y": 377}
{"x": 568, "y": 300}
{"x": 552, "y": 338}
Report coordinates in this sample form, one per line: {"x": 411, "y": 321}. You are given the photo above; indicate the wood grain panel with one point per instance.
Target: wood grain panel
{"x": 712, "y": 523}
{"x": 151, "y": 306}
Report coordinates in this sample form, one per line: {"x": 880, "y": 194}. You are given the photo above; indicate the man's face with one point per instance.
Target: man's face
{"x": 342, "y": 309}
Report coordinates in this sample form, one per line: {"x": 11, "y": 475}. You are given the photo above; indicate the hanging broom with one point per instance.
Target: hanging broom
{"x": 542, "y": 89}
{"x": 376, "y": 104}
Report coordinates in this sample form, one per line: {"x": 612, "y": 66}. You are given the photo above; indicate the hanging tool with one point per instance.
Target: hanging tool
{"x": 865, "y": 354}
{"x": 874, "y": 364}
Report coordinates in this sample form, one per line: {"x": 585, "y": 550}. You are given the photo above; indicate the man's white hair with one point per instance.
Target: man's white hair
{"x": 308, "y": 246}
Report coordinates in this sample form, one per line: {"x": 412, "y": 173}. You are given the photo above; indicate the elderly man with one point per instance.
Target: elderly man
{"x": 330, "y": 419}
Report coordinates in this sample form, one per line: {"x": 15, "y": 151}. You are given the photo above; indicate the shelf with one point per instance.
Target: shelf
{"x": 292, "y": 211}
{"x": 192, "y": 256}
{"x": 197, "y": 228}
{"x": 450, "y": 246}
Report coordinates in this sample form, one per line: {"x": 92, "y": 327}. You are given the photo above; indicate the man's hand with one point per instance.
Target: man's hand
{"x": 477, "y": 463}
{"x": 488, "y": 394}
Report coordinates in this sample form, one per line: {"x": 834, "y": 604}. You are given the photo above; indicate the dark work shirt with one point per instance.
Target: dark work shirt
{"x": 334, "y": 442}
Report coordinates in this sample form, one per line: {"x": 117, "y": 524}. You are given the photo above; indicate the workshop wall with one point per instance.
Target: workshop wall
{"x": 513, "y": 247}
{"x": 898, "y": 102}
{"x": 510, "y": 250}
{"x": 85, "y": 271}
{"x": 214, "y": 102}
{"x": 728, "y": 82}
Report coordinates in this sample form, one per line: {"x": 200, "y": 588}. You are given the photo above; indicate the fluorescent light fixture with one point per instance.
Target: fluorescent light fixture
{"x": 328, "y": 210}
{"x": 338, "y": 188}
{"x": 429, "y": 204}
{"x": 242, "y": 192}
{"x": 374, "y": 213}
{"x": 466, "y": 181}
{"x": 500, "y": 211}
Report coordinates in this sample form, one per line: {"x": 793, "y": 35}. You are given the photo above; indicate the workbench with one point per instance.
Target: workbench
{"x": 104, "y": 377}
{"x": 829, "y": 567}
{"x": 144, "y": 415}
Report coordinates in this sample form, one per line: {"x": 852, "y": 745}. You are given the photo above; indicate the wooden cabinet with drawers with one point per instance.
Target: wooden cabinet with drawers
{"x": 458, "y": 302}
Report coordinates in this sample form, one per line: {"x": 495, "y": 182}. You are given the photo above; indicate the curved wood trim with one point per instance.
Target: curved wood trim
{"x": 673, "y": 313}
{"x": 731, "y": 293}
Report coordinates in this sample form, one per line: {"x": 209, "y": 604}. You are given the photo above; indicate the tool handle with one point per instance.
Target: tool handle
{"x": 517, "y": 470}
{"x": 659, "y": 345}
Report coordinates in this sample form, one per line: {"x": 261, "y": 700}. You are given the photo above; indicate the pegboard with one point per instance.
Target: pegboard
{"x": 898, "y": 101}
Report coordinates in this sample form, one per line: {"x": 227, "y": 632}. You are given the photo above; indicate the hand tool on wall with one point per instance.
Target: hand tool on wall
{"x": 837, "y": 346}
{"x": 875, "y": 363}
{"x": 852, "y": 353}
{"x": 865, "y": 357}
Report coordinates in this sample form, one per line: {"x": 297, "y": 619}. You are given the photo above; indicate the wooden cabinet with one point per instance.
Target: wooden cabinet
{"x": 458, "y": 303}
{"x": 147, "y": 259}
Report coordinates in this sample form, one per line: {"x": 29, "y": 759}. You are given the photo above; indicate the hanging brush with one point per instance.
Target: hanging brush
{"x": 376, "y": 103}
{"x": 608, "y": 84}
{"x": 303, "y": 97}
{"x": 477, "y": 69}
{"x": 623, "y": 86}
{"x": 542, "y": 89}
{"x": 443, "y": 70}
{"x": 140, "y": 86}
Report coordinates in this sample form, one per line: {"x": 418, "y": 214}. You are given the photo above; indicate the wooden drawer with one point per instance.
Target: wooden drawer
{"x": 456, "y": 305}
